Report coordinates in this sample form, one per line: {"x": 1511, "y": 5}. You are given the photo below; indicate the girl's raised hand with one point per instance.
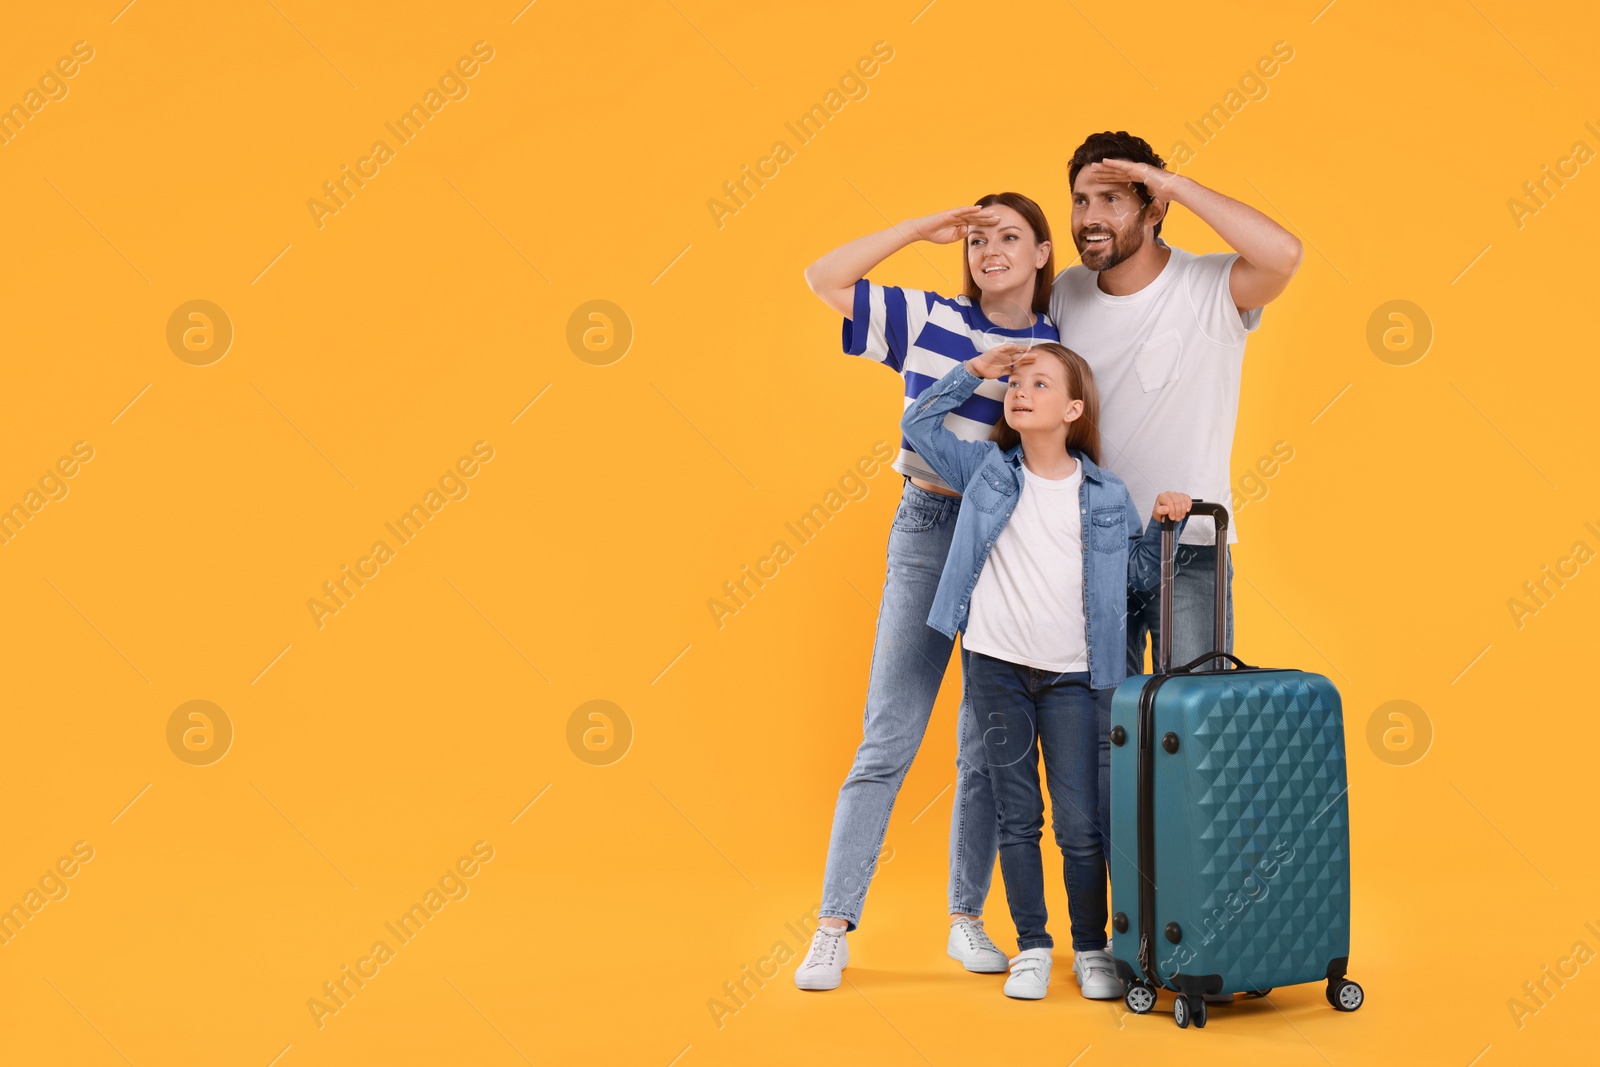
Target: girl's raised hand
{"x": 1001, "y": 359}
{"x": 948, "y": 226}
{"x": 1172, "y": 506}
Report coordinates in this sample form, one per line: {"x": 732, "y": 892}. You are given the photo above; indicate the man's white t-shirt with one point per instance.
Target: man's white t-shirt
{"x": 1028, "y": 604}
{"x": 1167, "y": 361}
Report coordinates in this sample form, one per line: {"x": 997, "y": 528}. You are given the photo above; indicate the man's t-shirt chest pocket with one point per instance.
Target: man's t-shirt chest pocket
{"x": 1159, "y": 361}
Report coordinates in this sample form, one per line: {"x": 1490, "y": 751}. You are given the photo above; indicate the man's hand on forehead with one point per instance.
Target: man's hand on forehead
{"x": 1128, "y": 172}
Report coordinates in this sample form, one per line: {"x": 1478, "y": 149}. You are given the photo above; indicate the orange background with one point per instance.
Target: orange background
{"x": 631, "y": 879}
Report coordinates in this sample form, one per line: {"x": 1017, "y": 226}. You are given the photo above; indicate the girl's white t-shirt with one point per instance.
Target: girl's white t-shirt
{"x": 1028, "y": 604}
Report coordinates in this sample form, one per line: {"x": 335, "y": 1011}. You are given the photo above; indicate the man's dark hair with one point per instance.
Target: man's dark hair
{"x": 1119, "y": 145}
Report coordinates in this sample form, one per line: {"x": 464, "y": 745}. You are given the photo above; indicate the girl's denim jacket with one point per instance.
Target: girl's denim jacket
{"x": 1119, "y": 552}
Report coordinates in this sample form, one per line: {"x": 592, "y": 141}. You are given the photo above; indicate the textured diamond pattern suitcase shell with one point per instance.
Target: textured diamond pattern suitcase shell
{"x": 1250, "y": 830}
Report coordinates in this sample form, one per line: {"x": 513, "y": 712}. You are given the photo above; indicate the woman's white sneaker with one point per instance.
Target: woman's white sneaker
{"x": 825, "y": 962}
{"x": 971, "y": 947}
{"x": 1097, "y": 975}
{"x": 1030, "y": 974}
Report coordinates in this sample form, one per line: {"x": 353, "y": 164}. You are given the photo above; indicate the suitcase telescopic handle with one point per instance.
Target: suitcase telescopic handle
{"x": 1219, "y": 515}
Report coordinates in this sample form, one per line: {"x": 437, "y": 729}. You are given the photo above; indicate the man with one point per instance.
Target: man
{"x": 1164, "y": 331}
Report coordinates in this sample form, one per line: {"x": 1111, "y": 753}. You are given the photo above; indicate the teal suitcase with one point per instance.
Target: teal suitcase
{"x": 1230, "y": 844}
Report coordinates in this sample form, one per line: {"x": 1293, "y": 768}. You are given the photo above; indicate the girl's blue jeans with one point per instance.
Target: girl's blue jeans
{"x": 1025, "y": 711}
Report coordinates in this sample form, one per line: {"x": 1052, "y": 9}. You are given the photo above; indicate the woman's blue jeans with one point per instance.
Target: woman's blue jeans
{"x": 1025, "y": 711}
{"x": 908, "y": 664}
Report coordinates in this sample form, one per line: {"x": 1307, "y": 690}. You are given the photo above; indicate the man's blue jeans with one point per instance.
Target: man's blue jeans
{"x": 1026, "y": 711}
{"x": 908, "y": 663}
{"x": 1194, "y": 585}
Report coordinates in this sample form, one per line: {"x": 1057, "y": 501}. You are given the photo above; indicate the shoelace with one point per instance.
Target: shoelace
{"x": 977, "y": 938}
{"x": 822, "y": 944}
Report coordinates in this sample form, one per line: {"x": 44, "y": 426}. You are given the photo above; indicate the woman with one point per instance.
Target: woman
{"x": 1006, "y": 274}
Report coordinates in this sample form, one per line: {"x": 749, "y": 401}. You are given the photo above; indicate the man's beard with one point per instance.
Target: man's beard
{"x": 1123, "y": 246}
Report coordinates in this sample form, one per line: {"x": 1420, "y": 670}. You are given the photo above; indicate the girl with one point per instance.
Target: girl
{"x": 1045, "y": 550}
{"x": 1006, "y": 275}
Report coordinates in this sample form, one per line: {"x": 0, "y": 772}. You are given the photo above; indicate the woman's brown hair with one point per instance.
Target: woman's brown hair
{"x": 1033, "y": 214}
{"x": 1083, "y": 433}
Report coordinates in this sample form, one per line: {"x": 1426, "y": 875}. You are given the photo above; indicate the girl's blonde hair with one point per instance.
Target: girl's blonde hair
{"x": 1083, "y": 433}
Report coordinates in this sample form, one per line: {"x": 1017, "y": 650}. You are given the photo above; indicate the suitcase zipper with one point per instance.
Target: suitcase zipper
{"x": 1146, "y": 820}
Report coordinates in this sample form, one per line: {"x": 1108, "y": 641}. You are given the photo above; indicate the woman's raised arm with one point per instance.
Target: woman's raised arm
{"x": 834, "y": 276}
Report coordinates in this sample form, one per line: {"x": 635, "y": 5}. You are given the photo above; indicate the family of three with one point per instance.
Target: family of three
{"x": 1045, "y": 416}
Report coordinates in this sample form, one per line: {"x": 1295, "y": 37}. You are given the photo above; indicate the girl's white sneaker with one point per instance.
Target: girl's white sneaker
{"x": 1097, "y": 975}
{"x": 825, "y": 962}
{"x": 1030, "y": 974}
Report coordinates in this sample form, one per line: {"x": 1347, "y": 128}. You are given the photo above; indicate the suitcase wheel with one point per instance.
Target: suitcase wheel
{"x": 1258, "y": 992}
{"x": 1187, "y": 1009}
{"x": 1140, "y": 998}
{"x": 1344, "y": 994}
